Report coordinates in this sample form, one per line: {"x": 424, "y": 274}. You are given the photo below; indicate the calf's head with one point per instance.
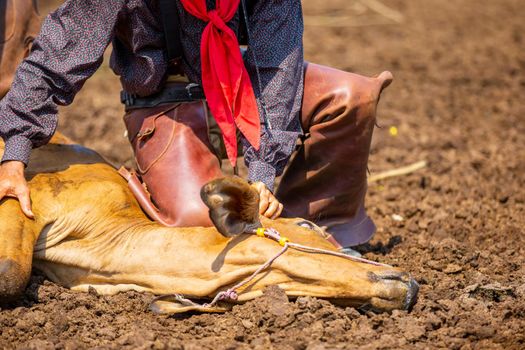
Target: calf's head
{"x": 233, "y": 205}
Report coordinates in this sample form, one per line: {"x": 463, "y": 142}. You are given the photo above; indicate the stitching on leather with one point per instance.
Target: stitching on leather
{"x": 155, "y": 116}
{"x": 161, "y": 154}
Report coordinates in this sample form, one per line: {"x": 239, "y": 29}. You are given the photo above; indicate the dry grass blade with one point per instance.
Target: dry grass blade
{"x": 384, "y": 10}
{"x": 398, "y": 172}
{"x": 343, "y": 21}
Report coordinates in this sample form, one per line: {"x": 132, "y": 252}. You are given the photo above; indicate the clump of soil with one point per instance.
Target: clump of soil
{"x": 457, "y": 225}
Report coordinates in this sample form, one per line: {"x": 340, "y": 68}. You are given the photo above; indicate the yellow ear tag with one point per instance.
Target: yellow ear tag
{"x": 283, "y": 241}
{"x": 260, "y": 231}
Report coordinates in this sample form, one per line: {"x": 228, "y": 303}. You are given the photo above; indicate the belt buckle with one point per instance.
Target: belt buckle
{"x": 189, "y": 87}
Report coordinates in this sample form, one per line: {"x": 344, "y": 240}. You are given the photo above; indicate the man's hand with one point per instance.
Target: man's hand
{"x": 13, "y": 184}
{"x": 269, "y": 206}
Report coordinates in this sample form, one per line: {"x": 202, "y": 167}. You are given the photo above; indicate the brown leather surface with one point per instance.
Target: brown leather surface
{"x": 326, "y": 180}
{"x": 175, "y": 159}
{"x": 19, "y": 25}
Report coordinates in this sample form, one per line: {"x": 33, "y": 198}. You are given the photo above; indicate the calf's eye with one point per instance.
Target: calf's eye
{"x": 306, "y": 224}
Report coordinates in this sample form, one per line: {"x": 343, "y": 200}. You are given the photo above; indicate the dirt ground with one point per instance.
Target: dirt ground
{"x": 457, "y": 103}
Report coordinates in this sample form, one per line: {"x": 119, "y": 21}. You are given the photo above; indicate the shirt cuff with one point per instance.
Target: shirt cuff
{"x": 17, "y": 148}
{"x": 263, "y": 172}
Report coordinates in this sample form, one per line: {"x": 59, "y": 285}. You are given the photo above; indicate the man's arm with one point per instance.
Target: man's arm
{"x": 276, "y": 33}
{"x": 68, "y": 50}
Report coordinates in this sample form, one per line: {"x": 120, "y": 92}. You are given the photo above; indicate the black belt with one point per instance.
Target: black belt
{"x": 170, "y": 94}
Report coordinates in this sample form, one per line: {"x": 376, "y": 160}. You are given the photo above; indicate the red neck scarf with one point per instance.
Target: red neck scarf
{"x": 225, "y": 79}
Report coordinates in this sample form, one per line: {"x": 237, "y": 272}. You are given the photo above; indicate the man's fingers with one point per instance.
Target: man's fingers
{"x": 25, "y": 202}
{"x": 13, "y": 184}
{"x": 263, "y": 202}
{"x": 7, "y": 192}
{"x": 278, "y": 212}
{"x": 269, "y": 206}
{"x": 272, "y": 208}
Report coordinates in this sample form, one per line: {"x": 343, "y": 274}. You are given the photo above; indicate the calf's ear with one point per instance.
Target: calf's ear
{"x": 233, "y": 204}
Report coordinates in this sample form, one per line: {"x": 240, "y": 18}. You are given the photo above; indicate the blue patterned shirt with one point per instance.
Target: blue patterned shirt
{"x": 70, "y": 48}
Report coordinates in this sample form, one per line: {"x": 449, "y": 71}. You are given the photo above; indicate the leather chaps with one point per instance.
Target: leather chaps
{"x": 325, "y": 181}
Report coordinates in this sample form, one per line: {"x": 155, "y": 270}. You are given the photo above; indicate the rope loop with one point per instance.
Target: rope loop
{"x": 229, "y": 294}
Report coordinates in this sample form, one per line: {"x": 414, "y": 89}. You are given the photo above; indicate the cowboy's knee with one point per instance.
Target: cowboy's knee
{"x": 13, "y": 279}
{"x": 358, "y": 97}
{"x": 345, "y": 94}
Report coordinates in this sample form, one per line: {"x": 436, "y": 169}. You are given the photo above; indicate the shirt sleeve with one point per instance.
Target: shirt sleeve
{"x": 68, "y": 50}
{"x": 276, "y": 47}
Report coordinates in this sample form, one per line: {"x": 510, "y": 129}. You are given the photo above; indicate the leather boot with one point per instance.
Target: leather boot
{"x": 326, "y": 180}
{"x": 174, "y": 159}
{"x": 19, "y": 25}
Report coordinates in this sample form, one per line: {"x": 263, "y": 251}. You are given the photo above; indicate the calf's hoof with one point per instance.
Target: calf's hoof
{"x": 13, "y": 280}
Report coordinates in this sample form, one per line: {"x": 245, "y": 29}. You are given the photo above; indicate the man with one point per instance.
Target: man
{"x": 326, "y": 181}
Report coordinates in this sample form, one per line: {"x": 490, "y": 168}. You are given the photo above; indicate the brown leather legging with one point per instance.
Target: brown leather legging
{"x": 325, "y": 181}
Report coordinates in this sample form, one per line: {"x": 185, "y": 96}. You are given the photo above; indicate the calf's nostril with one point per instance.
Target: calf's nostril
{"x": 394, "y": 275}
{"x": 396, "y": 290}
{"x": 412, "y": 292}
{"x": 412, "y": 286}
